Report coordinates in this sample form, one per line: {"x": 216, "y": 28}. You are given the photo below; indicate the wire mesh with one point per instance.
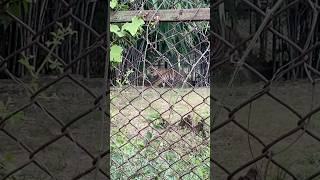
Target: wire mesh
{"x": 263, "y": 69}
{"x": 53, "y": 126}
{"x": 160, "y": 99}
{"x": 266, "y": 129}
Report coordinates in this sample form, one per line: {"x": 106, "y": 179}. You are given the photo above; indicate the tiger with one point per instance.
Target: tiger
{"x": 168, "y": 77}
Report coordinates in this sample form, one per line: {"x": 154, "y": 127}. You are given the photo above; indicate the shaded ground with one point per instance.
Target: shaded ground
{"x": 34, "y": 127}
{"x": 269, "y": 120}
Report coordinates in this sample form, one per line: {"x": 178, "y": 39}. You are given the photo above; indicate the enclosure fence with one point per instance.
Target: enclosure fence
{"x": 160, "y": 95}
{"x": 261, "y": 60}
{"x": 266, "y": 130}
{"x": 53, "y": 127}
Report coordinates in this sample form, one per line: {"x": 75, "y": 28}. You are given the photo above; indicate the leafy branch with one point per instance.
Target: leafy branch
{"x": 125, "y": 81}
{"x": 127, "y": 30}
{"x": 54, "y": 64}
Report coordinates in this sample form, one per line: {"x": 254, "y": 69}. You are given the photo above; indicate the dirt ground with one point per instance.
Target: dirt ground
{"x": 268, "y": 120}
{"x": 33, "y": 128}
{"x": 130, "y": 105}
{"x": 136, "y": 114}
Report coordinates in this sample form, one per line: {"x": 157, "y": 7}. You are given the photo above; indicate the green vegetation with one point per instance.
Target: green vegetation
{"x": 54, "y": 64}
{"x": 127, "y": 31}
{"x": 125, "y": 80}
{"x": 173, "y": 39}
{"x": 154, "y": 117}
{"x": 49, "y": 61}
{"x": 143, "y": 147}
{"x": 146, "y": 161}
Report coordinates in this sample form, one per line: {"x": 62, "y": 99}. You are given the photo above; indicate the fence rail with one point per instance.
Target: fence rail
{"x": 168, "y": 15}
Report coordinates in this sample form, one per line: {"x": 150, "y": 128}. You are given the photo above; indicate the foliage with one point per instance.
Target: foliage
{"x": 116, "y": 54}
{"x": 128, "y": 30}
{"x": 161, "y": 36}
{"x": 125, "y": 81}
{"x": 134, "y": 26}
{"x": 154, "y": 117}
{"x": 184, "y": 37}
{"x": 52, "y": 63}
{"x": 149, "y": 158}
{"x": 117, "y": 6}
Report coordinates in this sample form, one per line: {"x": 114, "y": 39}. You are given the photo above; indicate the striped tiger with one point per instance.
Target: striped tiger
{"x": 165, "y": 76}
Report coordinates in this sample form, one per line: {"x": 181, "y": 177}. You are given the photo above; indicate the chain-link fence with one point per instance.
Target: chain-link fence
{"x": 268, "y": 129}
{"x": 160, "y": 94}
{"x": 263, "y": 68}
{"x": 52, "y": 122}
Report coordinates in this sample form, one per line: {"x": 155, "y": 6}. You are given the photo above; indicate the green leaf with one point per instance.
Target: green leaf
{"x": 54, "y": 64}
{"x": 115, "y": 29}
{"x": 134, "y": 26}
{"x": 25, "y": 62}
{"x": 116, "y": 54}
{"x": 124, "y": 7}
{"x": 113, "y": 4}
{"x": 140, "y": 144}
{"x": 60, "y": 25}
{"x": 149, "y": 135}
{"x": 158, "y": 126}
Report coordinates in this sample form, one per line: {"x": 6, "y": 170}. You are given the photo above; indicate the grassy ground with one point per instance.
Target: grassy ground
{"x": 142, "y": 142}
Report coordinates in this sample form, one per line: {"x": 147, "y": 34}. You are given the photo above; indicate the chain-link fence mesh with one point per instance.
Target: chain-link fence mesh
{"x": 269, "y": 128}
{"x": 263, "y": 68}
{"x": 160, "y": 97}
{"x": 52, "y": 122}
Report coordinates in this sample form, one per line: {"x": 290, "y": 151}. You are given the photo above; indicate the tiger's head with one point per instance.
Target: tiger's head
{"x": 152, "y": 71}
